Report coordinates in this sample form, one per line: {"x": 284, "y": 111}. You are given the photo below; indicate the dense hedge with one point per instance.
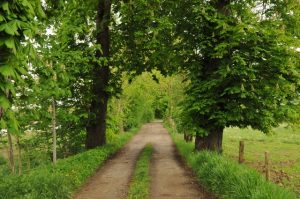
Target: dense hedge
{"x": 58, "y": 182}
{"x": 226, "y": 178}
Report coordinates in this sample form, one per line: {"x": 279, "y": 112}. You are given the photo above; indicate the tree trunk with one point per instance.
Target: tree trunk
{"x": 221, "y": 6}
{"x": 54, "y": 153}
{"x": 11, "y": 153}
{"x": 188, "y": 137}
{"x": 212, "y": 142}
{"x": 96, "y": 127}
{"x": 19, "y": 155}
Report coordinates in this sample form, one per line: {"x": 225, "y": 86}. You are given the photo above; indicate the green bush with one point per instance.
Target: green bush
{"x": 228, "y": 179}
{"x": 58, "y": 182}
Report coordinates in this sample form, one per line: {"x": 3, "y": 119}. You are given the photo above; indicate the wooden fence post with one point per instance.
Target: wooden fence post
{"x": 241, "y": 152}
{"x": 267, "y": 166}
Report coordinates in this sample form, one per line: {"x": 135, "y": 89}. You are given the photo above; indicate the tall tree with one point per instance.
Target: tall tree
{"x": 96, "y": 127}
{"x": 243, "y": 66}
{"x": 103, "y": 39}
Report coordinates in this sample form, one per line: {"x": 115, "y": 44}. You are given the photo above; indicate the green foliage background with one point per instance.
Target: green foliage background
{"x": 229, "y": 64}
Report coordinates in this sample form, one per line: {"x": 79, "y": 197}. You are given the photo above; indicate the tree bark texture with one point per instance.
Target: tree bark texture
{"x": 212, "y": 142}
{"x": 96, "y": 127}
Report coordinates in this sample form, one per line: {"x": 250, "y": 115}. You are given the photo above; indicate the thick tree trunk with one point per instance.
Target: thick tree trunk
{"x": 96, "y": 127}
{"x": 212, "y": 142}
{"x": 11, "y": 153}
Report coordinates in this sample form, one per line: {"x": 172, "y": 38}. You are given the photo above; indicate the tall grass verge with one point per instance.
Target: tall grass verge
{"x": 140, "y": 184}
{"x": 61, "y": 180}
{"x": 226, "y": 178}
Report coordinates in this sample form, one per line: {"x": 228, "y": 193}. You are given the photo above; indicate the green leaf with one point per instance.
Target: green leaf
{"x": 10, "y": 43}
{"x": 22, "y": 70}
{"x": 40, "y": 11}
{"x": 7, "y": 71}
{"x": 4, "y": 102}
{"x": 11, "y": 28}
{"x": 28, "y": 33}
{"x": 30, "y": 9}
{"x": 8, "y": 29}
{"x": 5, "y": 6}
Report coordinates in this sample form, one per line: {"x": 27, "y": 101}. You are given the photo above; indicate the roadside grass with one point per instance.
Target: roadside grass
{"x": 283, "y": 146}
{"x": 140, "y": 183}
{"x": 226, "y": 178}
{"x": 61, "y": 180}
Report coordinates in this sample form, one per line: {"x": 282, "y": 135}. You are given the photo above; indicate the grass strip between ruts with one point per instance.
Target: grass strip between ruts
{"x": 140, "y": 183}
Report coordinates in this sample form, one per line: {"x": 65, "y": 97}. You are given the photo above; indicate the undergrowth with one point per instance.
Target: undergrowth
{"x": 61, "y": 180}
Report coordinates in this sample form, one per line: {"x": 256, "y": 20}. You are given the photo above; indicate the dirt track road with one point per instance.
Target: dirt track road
{"x": 169, "y": 177}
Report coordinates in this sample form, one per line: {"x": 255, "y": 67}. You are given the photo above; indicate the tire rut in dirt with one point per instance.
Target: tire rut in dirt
{"x": 169, "y": 177}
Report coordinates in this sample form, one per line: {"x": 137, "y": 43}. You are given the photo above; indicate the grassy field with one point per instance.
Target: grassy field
{"x": 283, "y": 146}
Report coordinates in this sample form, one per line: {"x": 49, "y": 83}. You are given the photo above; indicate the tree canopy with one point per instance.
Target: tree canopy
{"x": 238, "y": 63}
